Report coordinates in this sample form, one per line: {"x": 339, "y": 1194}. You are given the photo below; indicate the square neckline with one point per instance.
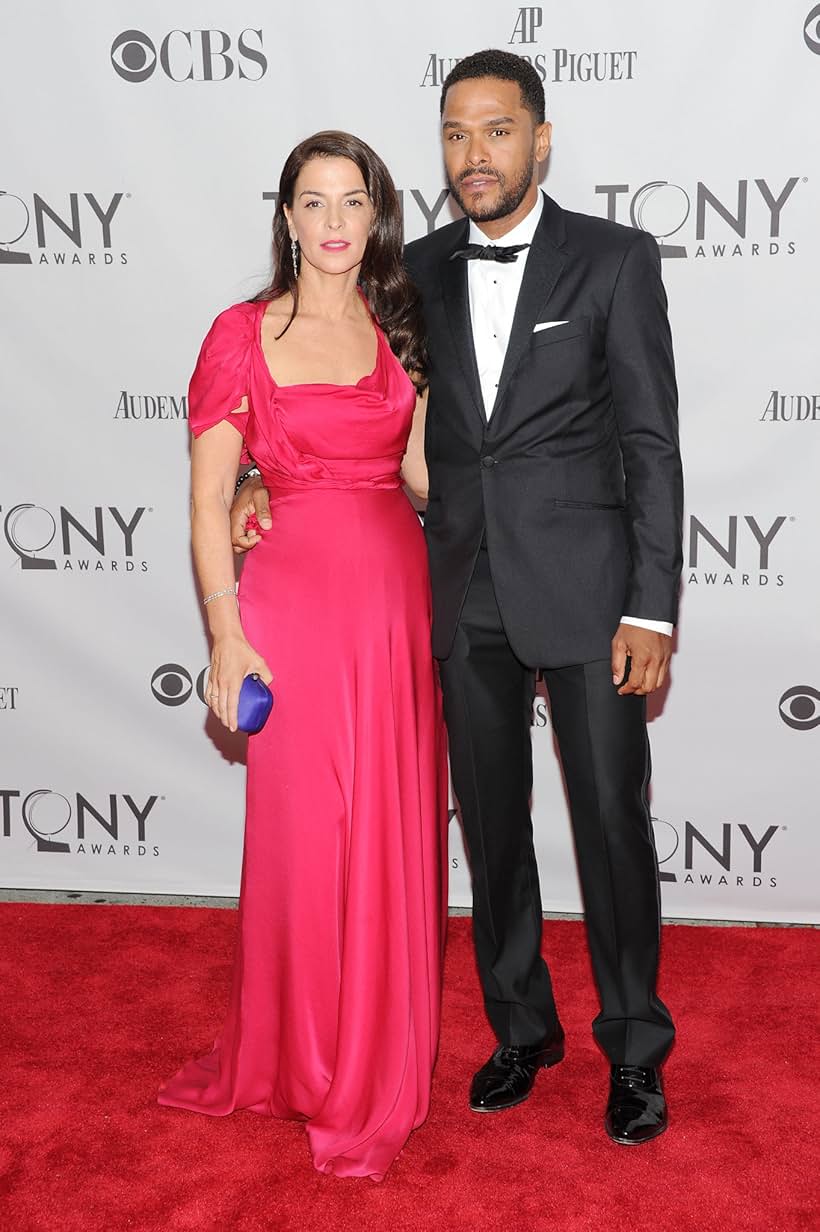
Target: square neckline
{"x": 319, "y": 384}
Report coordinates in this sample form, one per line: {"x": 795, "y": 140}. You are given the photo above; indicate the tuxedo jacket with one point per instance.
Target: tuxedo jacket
{"x": 575, "y": 480}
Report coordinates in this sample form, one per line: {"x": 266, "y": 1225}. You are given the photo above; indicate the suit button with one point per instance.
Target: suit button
{"x": 488, "y": 461}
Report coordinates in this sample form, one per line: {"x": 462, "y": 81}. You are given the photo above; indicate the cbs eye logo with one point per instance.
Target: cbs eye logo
{"x": 133, "y": 55}
{"x": 811, "y": 30}
{"x": 800, "y": 707}
{"x": 172, "y": 684}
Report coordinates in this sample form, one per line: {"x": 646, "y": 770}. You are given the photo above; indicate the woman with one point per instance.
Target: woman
{"x": 334, "y": 1010}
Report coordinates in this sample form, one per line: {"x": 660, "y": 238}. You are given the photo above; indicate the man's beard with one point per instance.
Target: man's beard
{"x": 512, "y": 192}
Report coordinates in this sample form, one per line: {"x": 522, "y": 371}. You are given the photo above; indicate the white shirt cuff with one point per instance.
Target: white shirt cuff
{"x": 657, "y": 626}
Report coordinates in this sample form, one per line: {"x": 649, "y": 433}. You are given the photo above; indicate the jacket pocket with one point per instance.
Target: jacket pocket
{"x": 579, "y": 328}
{"x": 575, "y": 504}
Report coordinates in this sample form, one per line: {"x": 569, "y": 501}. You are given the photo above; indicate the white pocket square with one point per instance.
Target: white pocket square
{"x": 548, "y": 325}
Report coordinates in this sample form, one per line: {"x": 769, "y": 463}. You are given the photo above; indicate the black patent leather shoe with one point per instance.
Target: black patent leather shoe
{"x": 636, "y": 1111}
{"x": 508, "y": 1077}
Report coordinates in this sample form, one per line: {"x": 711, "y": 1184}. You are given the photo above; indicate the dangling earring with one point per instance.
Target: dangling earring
{"x": 294, "y": 254}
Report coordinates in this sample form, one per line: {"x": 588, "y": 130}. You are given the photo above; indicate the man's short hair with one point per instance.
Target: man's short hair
{"x": 505, "y": 66}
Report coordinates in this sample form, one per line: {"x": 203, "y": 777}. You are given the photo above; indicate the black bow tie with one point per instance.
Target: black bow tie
{"x": 489, "y": 252}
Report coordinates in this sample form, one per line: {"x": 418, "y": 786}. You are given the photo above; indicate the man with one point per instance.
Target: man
{"x": 553, "y": 528}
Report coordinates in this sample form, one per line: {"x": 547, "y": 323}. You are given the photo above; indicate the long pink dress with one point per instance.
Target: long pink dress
{"x": 335, "y": 1003}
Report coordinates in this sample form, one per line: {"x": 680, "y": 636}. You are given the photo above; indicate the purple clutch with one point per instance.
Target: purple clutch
{"x": 255, "y": 702}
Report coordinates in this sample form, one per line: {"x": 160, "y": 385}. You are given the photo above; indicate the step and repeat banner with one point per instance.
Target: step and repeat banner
{"x": 142, "y": 148}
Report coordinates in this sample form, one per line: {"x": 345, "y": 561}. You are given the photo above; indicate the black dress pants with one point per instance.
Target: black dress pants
{"x": 488, "y": 696}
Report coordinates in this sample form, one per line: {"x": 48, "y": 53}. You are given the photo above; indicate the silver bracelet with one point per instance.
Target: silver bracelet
{"x": 254, "y": 470}
{"x": 231, "y": 590}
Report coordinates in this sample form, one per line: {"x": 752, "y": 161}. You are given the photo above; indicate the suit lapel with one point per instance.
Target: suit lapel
{"x": 457, "y": 305}
{"x": 544, "y": 266}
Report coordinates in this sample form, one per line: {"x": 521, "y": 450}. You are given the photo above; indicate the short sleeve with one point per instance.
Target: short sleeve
{"x": 221, "y": 377}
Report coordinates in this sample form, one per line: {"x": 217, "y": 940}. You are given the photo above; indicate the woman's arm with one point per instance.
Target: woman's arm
{"x": 214, "y": 458}
{"x": 214, "y": 461}
{"x": 413, "y": 466}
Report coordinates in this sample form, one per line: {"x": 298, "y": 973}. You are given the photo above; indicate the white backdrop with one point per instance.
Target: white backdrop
{"x": 141, "y": 141}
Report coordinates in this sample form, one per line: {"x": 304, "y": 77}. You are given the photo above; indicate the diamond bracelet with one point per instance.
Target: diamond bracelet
{"x": 230, "y": 590}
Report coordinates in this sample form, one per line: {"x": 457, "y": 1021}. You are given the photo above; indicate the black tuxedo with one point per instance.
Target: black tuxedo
{"x": 545, "y": 526}
{"x": 576, "y": 477}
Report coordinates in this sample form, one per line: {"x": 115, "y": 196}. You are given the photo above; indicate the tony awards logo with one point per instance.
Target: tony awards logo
{"x": 743, "y": 218}
{"x": 34, "y": 231}
{"x": 79, "y": 824}
{"x": 60, "y": 540}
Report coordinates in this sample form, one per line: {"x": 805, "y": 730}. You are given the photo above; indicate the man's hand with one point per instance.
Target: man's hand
{"x": 251, "y": 503}
{"x": 649, "y": 653}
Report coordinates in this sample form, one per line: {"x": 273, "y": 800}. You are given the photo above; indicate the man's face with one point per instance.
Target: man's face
{"x": 491, "y": 146}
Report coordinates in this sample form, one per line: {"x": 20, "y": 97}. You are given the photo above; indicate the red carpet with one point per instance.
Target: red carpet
{"x": 90, "y": 1025}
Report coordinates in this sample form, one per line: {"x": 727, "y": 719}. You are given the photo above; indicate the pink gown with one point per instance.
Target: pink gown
{"x": 335, "y": 1002}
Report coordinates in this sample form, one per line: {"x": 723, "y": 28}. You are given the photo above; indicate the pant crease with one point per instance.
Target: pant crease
{"x": 477, "y": 796}
{"x": 604, "y": 844}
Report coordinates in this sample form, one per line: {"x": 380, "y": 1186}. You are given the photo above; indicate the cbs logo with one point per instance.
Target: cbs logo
{"x": 189, "y": 55}
{"x": 800, "y": 707}
{"x": 172, "y": 684}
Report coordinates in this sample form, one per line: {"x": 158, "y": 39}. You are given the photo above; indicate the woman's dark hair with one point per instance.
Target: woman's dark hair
{"x": 507, "y": 67}
{"x": 391, "y": 296}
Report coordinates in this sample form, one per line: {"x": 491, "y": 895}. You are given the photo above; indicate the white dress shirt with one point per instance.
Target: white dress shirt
{"x": 493, "y": 288}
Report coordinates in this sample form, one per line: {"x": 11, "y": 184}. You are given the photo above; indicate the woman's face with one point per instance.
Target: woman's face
{"x": 331, "y": 214}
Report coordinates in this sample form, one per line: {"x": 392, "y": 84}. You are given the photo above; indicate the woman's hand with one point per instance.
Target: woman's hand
{"x": 232, "y": 659}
